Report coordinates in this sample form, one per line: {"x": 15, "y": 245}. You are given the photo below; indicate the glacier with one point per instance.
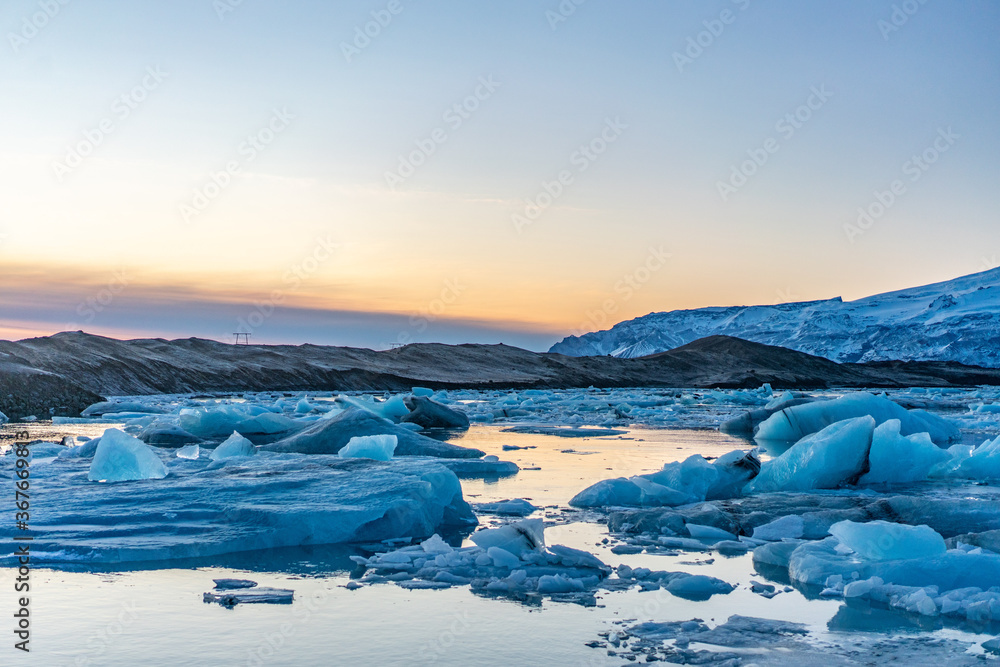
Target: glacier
{"x": 956, "y": 320}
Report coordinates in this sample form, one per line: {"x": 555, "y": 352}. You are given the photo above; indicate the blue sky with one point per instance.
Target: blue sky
{"x": 309, "y": 222}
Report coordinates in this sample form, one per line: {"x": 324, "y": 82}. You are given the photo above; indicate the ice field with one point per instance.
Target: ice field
{"x": 588, "y": 526}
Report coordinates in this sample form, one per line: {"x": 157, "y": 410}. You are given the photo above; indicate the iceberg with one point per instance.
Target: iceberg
{"x": 431, "y": 414}
{"x": 328, "y": 436}
{"x": 4, "y": 418}
{"x": 832, "y": 457}
{"x": 896, "y": 459}
{"x": 982, "y": 463}
{"x": 234, "y": 446}
{"x": 794, "y": 423}
{"x": 121, "y": 458}
{"x": 377, "y": 447}
{"x": 678, "y": 483}
{"x": 205, "y": 509}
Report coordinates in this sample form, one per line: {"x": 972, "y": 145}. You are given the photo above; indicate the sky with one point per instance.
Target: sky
{"x": 379, "y": 173}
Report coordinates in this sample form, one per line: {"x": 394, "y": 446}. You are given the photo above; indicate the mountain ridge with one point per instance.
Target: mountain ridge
{"x": 953, "y": 320}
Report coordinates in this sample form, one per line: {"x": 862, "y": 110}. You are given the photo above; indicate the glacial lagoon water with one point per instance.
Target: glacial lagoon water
{"x": 153, "y": 613}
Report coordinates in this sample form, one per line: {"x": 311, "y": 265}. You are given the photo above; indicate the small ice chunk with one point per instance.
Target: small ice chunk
{"x": 503, "y": 558}
{"x": 517, "y": 538}
{"x": 377, "y": 447}
{"x": 234, "y": 446}
{"x": 884, "y": 540}
{"x": 121, "y": 458}
{"x": 233, "y": 584}
{"x": 4, "y": 418}
{"x": 436, "y": 545}
{"x": 708, "y": 532}
{"x": 189, "y": 452}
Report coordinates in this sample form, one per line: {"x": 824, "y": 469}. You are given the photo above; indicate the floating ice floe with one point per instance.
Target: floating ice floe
{"x": 120, "y": 458}
{"x": 159, "y": 434}
{"x": 230, "y": 592}
{"x": 234, "y": 446}
{"x": 328, "y": 436}
{"x": 252, "y": 420}
{"x": 113, "y": 407}
{"x": 377, "y": 447}
{"x": 513, "y": 560}
{"x": 515, "y": 507}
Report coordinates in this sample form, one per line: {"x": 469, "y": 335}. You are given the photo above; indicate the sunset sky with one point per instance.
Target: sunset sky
{"x": 482, "y": 172}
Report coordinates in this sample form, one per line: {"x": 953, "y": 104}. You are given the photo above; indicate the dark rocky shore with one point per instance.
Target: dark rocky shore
{"x": 64, "y": 373}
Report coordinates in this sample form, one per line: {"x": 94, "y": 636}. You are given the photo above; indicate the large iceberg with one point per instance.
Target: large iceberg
{"x": 328, "y": 436}
{"x": 206, "y": 508}
{"x": 121, "y": 458}
{"x": 794, "y": 423}
{"x": 832, "y": 457}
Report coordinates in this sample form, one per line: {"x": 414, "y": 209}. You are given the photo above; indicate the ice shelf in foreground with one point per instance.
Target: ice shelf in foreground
{"x": 206, "y": 508}
{"x": 121, "y": 458}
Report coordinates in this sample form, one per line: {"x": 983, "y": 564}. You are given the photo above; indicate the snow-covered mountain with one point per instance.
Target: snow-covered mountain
{"x": 956, "y": 320}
